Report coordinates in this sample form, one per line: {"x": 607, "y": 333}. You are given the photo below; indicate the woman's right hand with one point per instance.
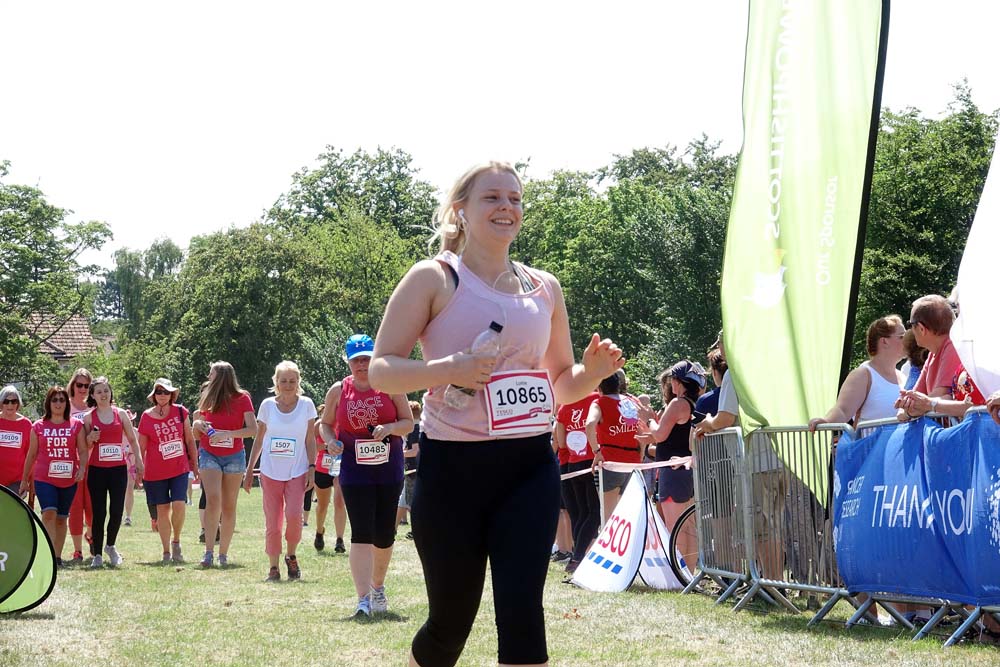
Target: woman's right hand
{"x": 471, "y": 371}
{"x": 814, "y": 422}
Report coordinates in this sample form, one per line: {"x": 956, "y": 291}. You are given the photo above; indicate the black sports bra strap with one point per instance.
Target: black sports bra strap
{"x": 451, "y": 270}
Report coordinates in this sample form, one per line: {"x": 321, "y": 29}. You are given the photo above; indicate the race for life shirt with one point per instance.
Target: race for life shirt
{"x": 283, "y": 455}
{"x": 573, "y": 416}
{"x": 58, "y": 458}
{"x": 356, "y": 411}
{"x": 166, "y": 453}
{"x": 228, "y": 418}
{"x": 15, "y": 434}
{"x": 109, "y": 450}
{"x": 527, "y": 325}
{"x": 617, "y": 428}
{"x": 939, "y": 370}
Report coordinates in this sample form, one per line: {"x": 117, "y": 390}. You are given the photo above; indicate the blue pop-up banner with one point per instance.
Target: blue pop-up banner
{"x": 917, "y": 511}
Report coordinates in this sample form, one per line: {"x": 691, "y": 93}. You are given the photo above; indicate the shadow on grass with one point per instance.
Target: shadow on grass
{"x": 29, "y": 616}
{"x": 384, "y": 617}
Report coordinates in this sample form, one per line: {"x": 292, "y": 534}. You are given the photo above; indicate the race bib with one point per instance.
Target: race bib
{"x": 171, "y": 450}
{"x": 224, "y": 443}
{"x": 335, "y": 470}
{"x": 60, "y": 469}
{"x": 519, "y": 402}
{"x": 110, "y": 452}
{"x": 12, "y": 440}
{"x": 577, "y": 442}
{"x": 371, "y": 452}
{"x": 326, "y": 461}
{"x": 282, "y": 447}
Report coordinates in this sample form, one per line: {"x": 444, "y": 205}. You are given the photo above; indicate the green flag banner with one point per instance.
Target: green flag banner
{"x": 810, "y": 118}
{"x": 27, "y": 559}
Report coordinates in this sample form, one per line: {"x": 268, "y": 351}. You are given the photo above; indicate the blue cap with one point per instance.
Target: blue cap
{"x": 359, "y": 345}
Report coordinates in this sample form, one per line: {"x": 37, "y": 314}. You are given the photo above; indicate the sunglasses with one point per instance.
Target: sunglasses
{"x": 9, "y": 401}
{"x": 58, "y": 399}
{"x": 161, "y": 392}
{"x": 912, "y": 323}
{"x": 82, "y": 385}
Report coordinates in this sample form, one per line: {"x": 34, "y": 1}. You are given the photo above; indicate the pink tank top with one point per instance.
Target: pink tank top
{"x": 527, "y": 324}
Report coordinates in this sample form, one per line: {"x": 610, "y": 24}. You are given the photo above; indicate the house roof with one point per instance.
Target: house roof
{"x": 72, "y": 338}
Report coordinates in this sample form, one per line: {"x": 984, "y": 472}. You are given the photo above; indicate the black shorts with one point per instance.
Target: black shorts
{"x": 323, "y": 480}
{"x": 676, "y": 484}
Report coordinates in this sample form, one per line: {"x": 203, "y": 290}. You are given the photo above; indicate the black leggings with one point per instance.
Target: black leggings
{"x": 473, "y": 501}
{"x": 582, "y": 497}
{"x": 105, "y": 484}
{"x": 371, "y": 509}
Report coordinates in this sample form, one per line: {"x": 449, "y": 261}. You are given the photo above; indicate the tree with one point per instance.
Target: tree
{"x": 39, "y": 275}
{"x": 383, "y": 187}
{"x": 927, "y": 180}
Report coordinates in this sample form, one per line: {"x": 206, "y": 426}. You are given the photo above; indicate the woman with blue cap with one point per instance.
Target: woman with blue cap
{"x": 366, "y": 426}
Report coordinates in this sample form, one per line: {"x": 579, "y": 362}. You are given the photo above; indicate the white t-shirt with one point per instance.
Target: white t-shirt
{"x": 283, "y": 456}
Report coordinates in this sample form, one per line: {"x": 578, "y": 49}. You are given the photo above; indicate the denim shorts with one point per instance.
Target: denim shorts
{"x": 55, "y": 498}
{"x": 231, "y": 464}
{"x": 166, "y": 491}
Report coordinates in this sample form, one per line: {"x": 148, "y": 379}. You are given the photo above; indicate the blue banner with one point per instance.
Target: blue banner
{"x": 917, "y": 511}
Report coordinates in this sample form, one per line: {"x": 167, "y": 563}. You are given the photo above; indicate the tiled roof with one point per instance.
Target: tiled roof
{"x": 71, "y": 339}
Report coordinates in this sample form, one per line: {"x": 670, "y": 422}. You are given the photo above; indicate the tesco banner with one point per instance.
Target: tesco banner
{"x": 632, "y": 541}
{"x": 917, "y": 511}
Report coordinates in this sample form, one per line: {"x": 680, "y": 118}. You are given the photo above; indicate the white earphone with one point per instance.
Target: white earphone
{"x": 461, "y": 214}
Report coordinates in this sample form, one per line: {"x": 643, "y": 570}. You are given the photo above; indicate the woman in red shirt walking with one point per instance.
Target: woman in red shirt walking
{"x": 15, "y": 433}
{"x": 57, "y": 458}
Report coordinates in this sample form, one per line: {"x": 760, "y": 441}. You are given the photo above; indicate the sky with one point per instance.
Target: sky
{"x": 183, "y": 118}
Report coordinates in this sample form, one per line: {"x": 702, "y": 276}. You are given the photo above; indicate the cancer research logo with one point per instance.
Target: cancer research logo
{"x": 628, "y": 410}
{"x": 769, "y": 286}
{"x": 836, "y": 484}
{"x": 993, "y": 502}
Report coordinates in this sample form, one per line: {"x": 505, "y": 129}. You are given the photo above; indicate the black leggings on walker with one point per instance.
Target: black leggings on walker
{"x": 473, "y": 501}
{"x": 107, "y": 488}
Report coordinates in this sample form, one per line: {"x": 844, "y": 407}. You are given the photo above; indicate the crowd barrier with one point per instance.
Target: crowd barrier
{"x": 764, "y": 515}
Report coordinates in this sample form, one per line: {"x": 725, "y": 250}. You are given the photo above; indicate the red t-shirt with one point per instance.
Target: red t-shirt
{"x": 58, "y": 458}
{"x": 940, "y": 369}
{"x": 229, "y": 418}
{"x": 109, "y": 451}
{"x": 573, "y": 417}
{"x": 166, "y": 453}
{"x": 15, "y": 434}
{"x": 617, "y": 428}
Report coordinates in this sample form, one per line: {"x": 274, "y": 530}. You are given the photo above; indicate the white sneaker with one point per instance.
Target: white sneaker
{"x": 114, "y": 558}
{"x": 379, "y": 603}
{"x": 364, "y": 607}
{"x": 97, "y": 563}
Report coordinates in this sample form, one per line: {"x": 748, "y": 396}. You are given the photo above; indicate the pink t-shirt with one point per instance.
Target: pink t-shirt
{"x": 166, "y": 453}
{"x": 58, "y": 458}
{"x": 527, "y": 322}
{"x": 230, "y": 418}
{"x": 15, "y": 434}
{"x": 939, "y": 370}
{"x": 109, "y": 451}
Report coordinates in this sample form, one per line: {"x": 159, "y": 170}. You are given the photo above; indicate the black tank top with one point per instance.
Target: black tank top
{"x": 678, "y": 442}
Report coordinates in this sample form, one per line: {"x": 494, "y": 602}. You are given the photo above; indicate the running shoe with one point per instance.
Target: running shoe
{"x": 561, "y": 556}
{"x": 206, "y": 560}
{"x": 340, "y": 548}
{"x": 114, "y": 558}
{"x": 60, "y": 564}
{"x": 318, "y": 542}
{"x": 127, "y": 521}
{"x": 166, "y": 557}
{"x": 77, "y": 558}
{"x": 571, "y": 566}
{"x": 292, "y": 563}
{"x": 378, "y": 601}
{"x": 223, "y": 560}
{"x": 274, "y": 574}
{"x": 97, "y": 563}
{"x": 175, "y": 552}
{"x": 364, "y": 608}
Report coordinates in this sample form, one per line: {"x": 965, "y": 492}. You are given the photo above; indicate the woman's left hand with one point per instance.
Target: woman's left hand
{"x": 602, "y": 357}
{"x": 381, "y": 431}
{"x": 310, "y": 478}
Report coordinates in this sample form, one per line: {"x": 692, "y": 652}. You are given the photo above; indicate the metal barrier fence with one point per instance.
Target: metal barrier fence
{"x": 764, "y": 518}
{"x": 720, "y": 494}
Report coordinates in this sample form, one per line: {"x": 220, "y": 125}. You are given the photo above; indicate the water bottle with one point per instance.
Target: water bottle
{"x": 211, "y": 430}
{"x": 488, "y": 342}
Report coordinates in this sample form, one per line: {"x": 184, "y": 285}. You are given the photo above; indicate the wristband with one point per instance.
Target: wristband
{"x": 934, "y": 403}
{"x": 312, "y": 465}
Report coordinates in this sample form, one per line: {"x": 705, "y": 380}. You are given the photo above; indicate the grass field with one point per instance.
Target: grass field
{"x": 148, "y": 614}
